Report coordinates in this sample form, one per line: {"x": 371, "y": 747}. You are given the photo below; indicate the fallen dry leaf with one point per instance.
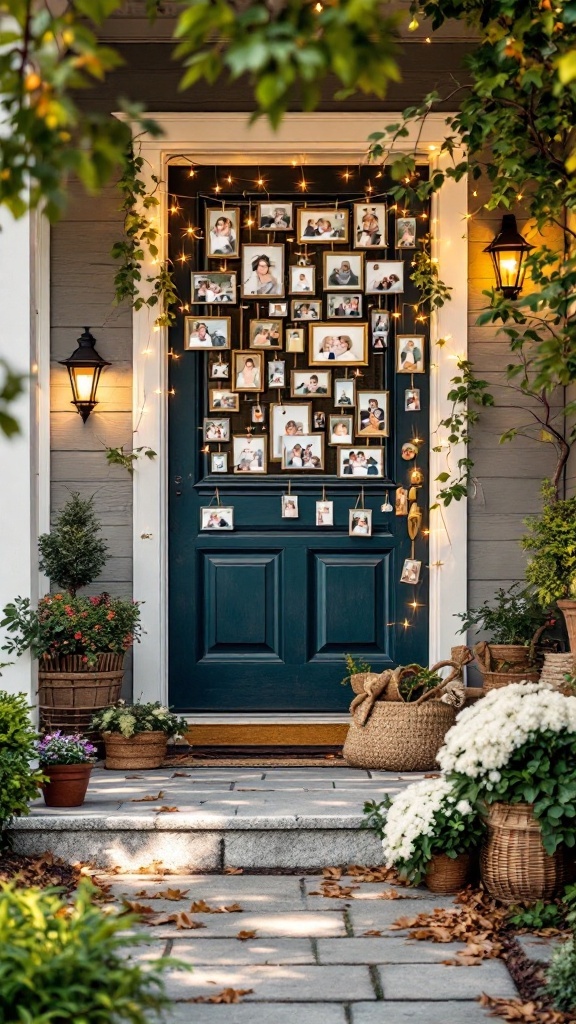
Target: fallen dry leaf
{"x": 333, "y": 890}
{"x": 167, "y": 810}
{"x": 462, "y": 961}
{"x": 233, "y": 871}
{"x": 245, "y": 935}
{"x": 227, "y": 995}
{"x": 155, "y": 868}
{"x": 389, "y": 894}
{"x": 136, "y": 908}
{"x": 147, "y": 799}
{"x": 201, "y": 907}
{"x": 372, "y": 933}
{"x": 181, "y": 920}
{"x": 380, "y": 874}
{"x": 335, "y": 873}
{"x": 532, "y": 1012}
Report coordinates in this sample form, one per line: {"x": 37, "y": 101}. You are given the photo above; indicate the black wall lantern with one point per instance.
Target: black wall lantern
{"x": 509, "y": 251}
{"x": 84, "y": 369}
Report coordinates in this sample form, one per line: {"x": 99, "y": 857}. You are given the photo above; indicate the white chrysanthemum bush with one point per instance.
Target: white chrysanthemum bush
{"x": 131, "y": 719}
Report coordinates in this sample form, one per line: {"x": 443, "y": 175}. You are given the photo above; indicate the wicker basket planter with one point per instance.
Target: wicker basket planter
{"x": 555, "y": 669}
{"x": 568, "y": 609}
{"x": 505, "y": 658}
{"x": 398, "y": 737}
{"x": 67, "y": 784}
{"x": 70, "y": 692}
{"x": 494, "y": 680}
{"x": 357, "y": 681}
{"x": 144, "y": 750}
{"x": 513, "y": 863}
{"x": 447, "y": 875}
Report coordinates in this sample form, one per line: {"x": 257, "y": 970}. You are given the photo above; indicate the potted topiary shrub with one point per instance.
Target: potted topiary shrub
{"x": 19, "y": 781}
{"x": 551, "y": 570}
{"x": 136, "y": 735}
{"x": 66, "y": 762}
{"x": 80, "y": 642}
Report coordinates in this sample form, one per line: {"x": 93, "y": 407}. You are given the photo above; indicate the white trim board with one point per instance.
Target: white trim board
{"x": 307, "y": 138}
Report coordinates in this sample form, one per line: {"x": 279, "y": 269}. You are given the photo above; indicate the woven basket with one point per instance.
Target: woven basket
{"x": 144, "y": 750}
{"x": 70, "y": 692}
{"x": 568, "y": 609}
{"x": 494, "y": 680}
{"x": 503, "y": 658}
{"x": 399, "y": 737}
{"x": 555, "y": 669}
{"x": 447, "y": 875}
{"x": 513, "y": 863}
{"x": 357, "y": 681}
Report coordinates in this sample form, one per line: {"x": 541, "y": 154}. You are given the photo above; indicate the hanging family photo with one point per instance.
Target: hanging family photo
{"x": 258, "y": 414}
{"x": 401, "y": 501}
{"x": 216, "y": 429}
{"x": 324, "y": 513}
{"x": 344, "y": 392}
{"x": 340, "y": 429}
{"x": 247, "y": 371}
{"x": 277, "y": 374}
{"x": 405, "y": 232}
{"x": 369, "y": 225}
{"x": 274, "y": 217}
{"x": 290, "y": 506}
{"x": 223, "y": 399}
{"x": 277, "y": 309}
{"x": 349, "y": 348}
{"x": 249, "y": 454}
{"x": 219, "y": 370}
{"x": 218, "y": 462}
{"x": 295, "y": 339}
{"x": 324, "y": 225}
{"x": 306, "y": 453}
{"x": 410, "y": 353}
{"x": 360, "y": 522}
{"x": 412, "y": 400}
{"x": 380, "y": 325}
{"x": 319, "y": 420}
{"x": 210, "y": 332}
{"x": 222, "y": 232}
{"x": 302, "y": 280}
{"x": 361, "y": 462}
{"x": 213, "y": 288}
{"x": 304, "y": 382}
{"x": 262, "y": 270}
{"x": 265, "y": 334}
{"x": 372, "y": 414}
{"x": 384, "y": 277}
{"x": 220, "y": 518}
{"x": 410, "y": 571}
{"x": 290, "y": 420}
{"x": 409, "y": 451}
{"x": 343, "y": 270}
{"x": 342, "y": 306}
{"x": 306, "y": 310}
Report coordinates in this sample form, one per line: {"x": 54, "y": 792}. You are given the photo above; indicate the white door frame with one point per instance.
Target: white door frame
{"x": 334, "y": 138}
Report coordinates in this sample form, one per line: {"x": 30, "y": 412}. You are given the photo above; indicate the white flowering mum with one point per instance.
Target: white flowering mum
{"x": 411, "y": 815}
{"x": 487, "y": 733}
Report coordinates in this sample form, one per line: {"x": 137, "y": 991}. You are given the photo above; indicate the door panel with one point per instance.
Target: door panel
{"x": 242, "y": 609}
{"x": 351, "y": 602}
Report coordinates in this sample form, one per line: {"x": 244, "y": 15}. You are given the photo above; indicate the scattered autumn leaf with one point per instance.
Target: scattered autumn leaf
{"x": 201, "y": 907}
{"x": 389, "y": 894}
{"x": 532, "y": 1012}
{"x": 155, "y": 868}
{"x": 372, "y": 933}
{"x": 181, "y": 920}
{"x": 335, "y": 873}
{"x": 167, "y": 810}
{"x": 171, "y": 894}
{"x": 147, "y": 799}
{"x": 233, "y": 871}
{"x": 245, "y": 935}
{"x": 136, "y": 908}
{"x": 227, "y": 995}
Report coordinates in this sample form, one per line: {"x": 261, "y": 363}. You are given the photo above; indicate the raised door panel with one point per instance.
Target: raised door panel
{"x": 350, "y": 602}
{"x": 242, "y": 602}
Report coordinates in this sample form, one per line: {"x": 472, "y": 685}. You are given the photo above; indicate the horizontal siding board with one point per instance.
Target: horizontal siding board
{"x": 114, "y": 587}
{"x": 112, "y": 500}
{"x": 113, "y": 343}
{"x": 486, "y": 527}
{"x": 110, "y": 399}
{"x": 101, "y": 430}
{"x": 116, "y": 570}
{"x": 93, "y": 306}
{"x": 85, "y": 467}
{"x": 495, "y": 497}
{"x": 512, "y": 463}
{"x": 494, "y": 559}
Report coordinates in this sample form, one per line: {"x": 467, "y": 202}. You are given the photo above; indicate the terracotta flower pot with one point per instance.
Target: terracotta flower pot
{"x": 144, "y": 750}
{"x": 445, "y": 874}
{"x": 67, "y": 784}
{"x": 514, "y": 865}
{"x": 568, "y": 609}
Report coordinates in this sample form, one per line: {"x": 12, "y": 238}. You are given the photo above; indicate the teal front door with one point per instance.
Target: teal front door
{"x": 261, "y": 615}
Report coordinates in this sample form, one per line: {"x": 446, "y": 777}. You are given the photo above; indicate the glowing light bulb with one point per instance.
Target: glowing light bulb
{"x": 427, "y": 40}
{"x": 318, "y": 8}
{"x": 260, "y": 182}
{"x": 229, "y": 179}
{"x": 191, "y": 172}
{"x": 508, "y": 269}
{"x": 217, "y": 188}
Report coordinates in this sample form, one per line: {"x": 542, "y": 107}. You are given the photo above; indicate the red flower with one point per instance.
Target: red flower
{"x": 97, "y": 627}
{"x": 111, "y": 615}
{"x": 57, "y": 597}
{"x": 84, "y": 658}
{"x": 95, "y": 601}
{"x": 68, "y": 609}
{"x": 77, "y": 636}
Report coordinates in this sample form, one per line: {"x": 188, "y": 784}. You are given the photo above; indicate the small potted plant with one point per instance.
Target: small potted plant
{"x": 514, "y": 623}
{"x": 357, "y": 673}
{"x": 66, "y": 762}
{"x": 136, "y": 735}
{"x": 551, "y": 570}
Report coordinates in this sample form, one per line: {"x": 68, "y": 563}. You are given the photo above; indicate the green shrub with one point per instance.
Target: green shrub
{"x": 73, "y": 554}
{"x": 18, "y": 781}
{"x": 561, "y": 976}
{"x": 67, "y": 964}
{"x": 552, "y": 539}
{"x": 513, "y": 618}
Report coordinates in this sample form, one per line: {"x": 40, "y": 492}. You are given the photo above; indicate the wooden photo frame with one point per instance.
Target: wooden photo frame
{"x": 222, "y": 232}
{"x": 246, "y": 377}
{"x": 338, "y": 344}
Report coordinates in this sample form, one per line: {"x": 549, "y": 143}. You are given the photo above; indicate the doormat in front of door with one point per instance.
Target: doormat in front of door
{"x": 257, "y": 757}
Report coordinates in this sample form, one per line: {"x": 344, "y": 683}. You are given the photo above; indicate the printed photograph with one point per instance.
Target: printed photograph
{"x": 385, "y": 277}
{"x": 302, "y": 280}
{"x": 401, "y": 502}
{"x": 258, "y": 414}
{"x": 262, "y": 270}
{"x": 410, "y": 571}
{"x": 343, "y": 271}
{"x": 219, "y": 518}
{"x": 277, "y": 309}
{"x": 219, "y": 370}
{"x": 222, "y": 232}
{"x": 215, "y": 429}
{"x": 218, "y": 462}
{"x": 361, "y": 462}
{"x": 277, "y": 373}
{"x": 291, "y": 420}
{"x": 213, "y": 288}
{"x": 319, "y": 420}
{"x": 323, "y": 225}
{"x": 369, "y": 225}
{"x": 247, "y": 371}
{"x": 290, "y": 506}
{"x": 360, "y": 522}
{"x": 275, "y": 216}
{"x": 344, "y": 392}
{"x": 347, "y": 345}
{"x": 410, "y": 353}
{"x": 338, "y": 307}
{"x": 380, "y": 329}
{"x": 209, "y": 332}
{"x": 311, "y": 382}
{"x": 306, "y": 310}
{"x": 223, "y": 399}
{"x": 265, "y": 334}
{"x": 306, "y": 452}
{"x": 340, "y": 429}
{"x": 324, "y": 513}
{"x": 372, "y": 414}
{"x": 412, "y": 400}
{"x": 295, "y": 339}
{"x": 249, "y": 454}
{"x": 406, "y": 232}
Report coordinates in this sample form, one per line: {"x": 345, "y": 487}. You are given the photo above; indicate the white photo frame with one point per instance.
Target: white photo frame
{"x": 216, "y": 517}
{"x": 384, "y": 277}
{"x": 262, "y": 271}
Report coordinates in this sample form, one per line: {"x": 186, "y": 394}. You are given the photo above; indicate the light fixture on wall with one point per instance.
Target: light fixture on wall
{"x": 509, "y": 251}
{"x": 84, "y": 369}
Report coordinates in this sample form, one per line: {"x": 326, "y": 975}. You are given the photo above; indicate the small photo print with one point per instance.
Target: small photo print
{"x": 360, "y": 522}
{"x": 380, "y": 325}
{"x": 222, "y": 232}
{"x": 292, "y": 420}
{"x": 401, "y": 502}
{"x": 344, "y": 392}
{"x": 360, "y": 462}
{"x": 290, "y": 506}
{"x": 406, "y": 232}
{"x": 338, "y": 307}
{"x": 412, "y": 400}
{"x": 247, "y": 371}
{"x": 340, "y": 429}
{"x": 372, "y": 414}
{"x": 302, "y": 280}
{"x": 369, "y": 225}
{"x": 345, "y": 344}
{"x": 219, "y": 371}
{"x": 223, "y": 399}
{"x": 322, "y": 225}
{"x": 324, "y": 513}
{"x": 262, "y": 270}
{"x": 212, "y": 287}
{"x": 384, "y": 277}
{"x": 220, "y": 518}
{"x": 277, "y": 309}
{"x": 265, "y": 334}
{"x": 410, "y": 353}
{"x": 343, "y": 271}
{"x": 209, "y": 332}
{"x": 218, "y": 462}
{"x": 410, "y": 571}
{"x": 306, "y": 453}
{"x": 277, "y": 374}
{"x": 319, "y": 420}
{"x": 295, "y": 340}
{"x": 306, "y": 310}
{"x": 275, "y": 217}
{"x": 258, "y": 414}
{"x": 249, "y": 454}
{"x": 311, "y": 382}
{"x": 216, "y": 429}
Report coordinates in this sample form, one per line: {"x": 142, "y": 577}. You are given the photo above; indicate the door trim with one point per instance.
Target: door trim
{"x": 326, "y": 138}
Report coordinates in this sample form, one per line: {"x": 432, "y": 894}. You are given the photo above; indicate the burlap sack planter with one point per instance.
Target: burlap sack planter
{"x": 358, "y": 680}
{"x": 399, "y": 737}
